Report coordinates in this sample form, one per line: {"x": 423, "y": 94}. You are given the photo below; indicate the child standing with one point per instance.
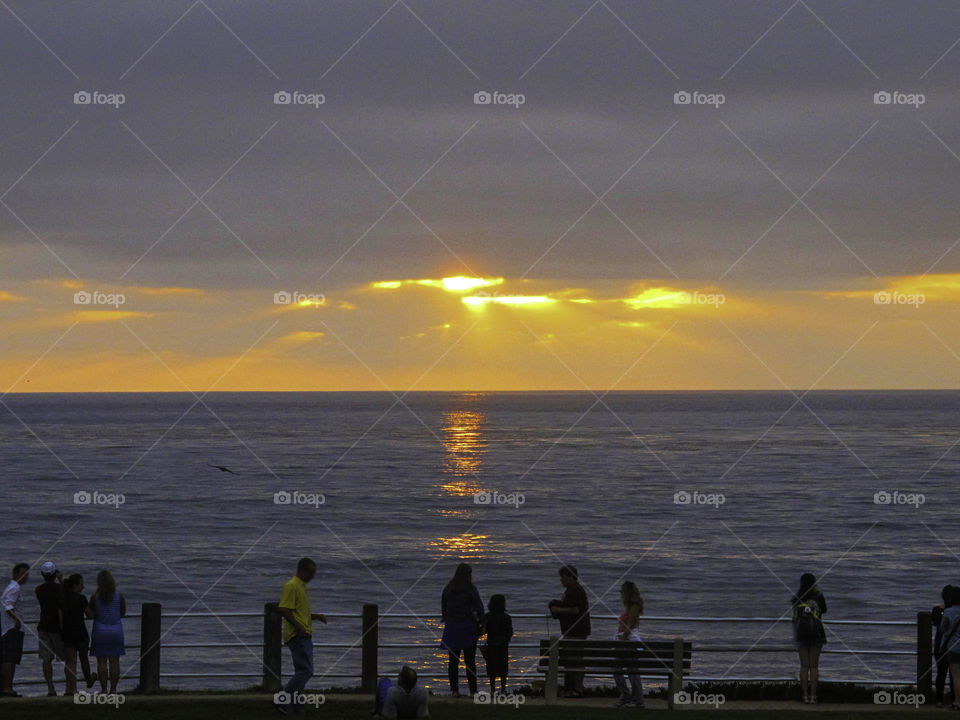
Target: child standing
{"x": 499, "y": 627}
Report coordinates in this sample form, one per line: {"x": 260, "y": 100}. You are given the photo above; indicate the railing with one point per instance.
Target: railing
{"x": 151, "y": 619}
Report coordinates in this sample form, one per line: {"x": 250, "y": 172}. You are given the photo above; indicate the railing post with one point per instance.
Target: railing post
{"x": 550, "y": 686}
{"x": 676, "y": 677}
{"x": 272, "y": 646}
{"x": 370, "y": 643}
{"x": 150, "y": 648}
{"x": 924, "y": 656}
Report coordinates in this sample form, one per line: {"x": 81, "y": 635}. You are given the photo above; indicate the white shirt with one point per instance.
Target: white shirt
{"x": 11, "y": 599}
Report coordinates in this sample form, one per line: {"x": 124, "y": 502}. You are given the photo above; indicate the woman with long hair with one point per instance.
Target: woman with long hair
{"x": 628, "y": 630}
{"x": 809, "y": 607}
{"x": 106, "y": 609}
{"x": 462, "y": 612}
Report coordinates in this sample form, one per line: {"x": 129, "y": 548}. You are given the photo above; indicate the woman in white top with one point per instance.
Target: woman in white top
{"x": 627, "y": 626}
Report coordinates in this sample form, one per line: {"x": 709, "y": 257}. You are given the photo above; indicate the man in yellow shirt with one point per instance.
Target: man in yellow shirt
{"x": 297, "y": 629}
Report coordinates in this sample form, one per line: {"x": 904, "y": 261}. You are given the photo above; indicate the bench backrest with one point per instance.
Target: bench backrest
{"x": 600, "y": 655}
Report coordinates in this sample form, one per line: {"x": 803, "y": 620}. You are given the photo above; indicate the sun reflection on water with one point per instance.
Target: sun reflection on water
{"x": 465, "y": 444}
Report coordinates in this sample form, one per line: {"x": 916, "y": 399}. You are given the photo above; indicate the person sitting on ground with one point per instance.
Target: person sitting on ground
{"x": 405, "y": 699}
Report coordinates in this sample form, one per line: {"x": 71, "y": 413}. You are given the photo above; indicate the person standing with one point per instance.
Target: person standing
{"x": 939, "y": 653}
{"x": 107, "y": 607}
{"x": 499, "y": 627}
{"x": 462, "y": 611}
{"x": 573, "y": 612}
{"x": 628, "y": 630}
{"x": 809, "y": 606}
{"x": 298, "y": 632}
{"x": 11, "y": 628}
{"x": 950, "y": 643}
{"x": 76, "y": 640}
{"x": 49, "y": 640}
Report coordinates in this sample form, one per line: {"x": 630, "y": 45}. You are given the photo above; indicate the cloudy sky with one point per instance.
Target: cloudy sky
{"x": 673, "y": 194}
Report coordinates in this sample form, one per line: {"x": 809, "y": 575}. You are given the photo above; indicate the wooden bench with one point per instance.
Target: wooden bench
{"x": 671, "y": 658}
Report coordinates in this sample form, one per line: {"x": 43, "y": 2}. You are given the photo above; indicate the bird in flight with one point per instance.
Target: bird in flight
{"x": 221, "y": 468}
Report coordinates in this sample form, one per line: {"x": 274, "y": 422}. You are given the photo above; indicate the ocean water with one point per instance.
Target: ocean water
{"x": 714, "y": 503}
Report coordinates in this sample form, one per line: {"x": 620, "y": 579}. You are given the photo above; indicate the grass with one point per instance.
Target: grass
{"x": 228, "y": 707}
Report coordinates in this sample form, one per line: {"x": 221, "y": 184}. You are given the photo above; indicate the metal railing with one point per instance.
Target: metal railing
{"x": 269, "y": 649}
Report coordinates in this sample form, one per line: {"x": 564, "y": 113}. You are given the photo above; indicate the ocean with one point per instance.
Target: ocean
{"x": 713, "y": 503}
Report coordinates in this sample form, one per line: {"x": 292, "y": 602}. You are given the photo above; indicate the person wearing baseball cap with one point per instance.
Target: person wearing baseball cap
{"x": 49, "y": 637}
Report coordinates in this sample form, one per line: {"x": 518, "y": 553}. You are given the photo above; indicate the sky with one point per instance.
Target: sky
{"x": 489, "y": 195}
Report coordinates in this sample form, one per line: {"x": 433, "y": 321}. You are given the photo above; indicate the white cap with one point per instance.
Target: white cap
{"x": 48, "y": 568}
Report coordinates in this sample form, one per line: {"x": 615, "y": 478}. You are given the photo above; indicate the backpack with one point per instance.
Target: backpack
{"x": 383, "y": 687}
{"x": 807, "y": 621}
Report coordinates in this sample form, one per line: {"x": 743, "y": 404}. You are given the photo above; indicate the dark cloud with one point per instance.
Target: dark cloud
{"x": 291, "y": 186}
